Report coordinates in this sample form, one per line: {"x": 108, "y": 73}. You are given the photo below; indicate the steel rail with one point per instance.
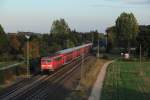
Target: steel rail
{"x": 27, "y": 86}
{"x": 45, "y": 90}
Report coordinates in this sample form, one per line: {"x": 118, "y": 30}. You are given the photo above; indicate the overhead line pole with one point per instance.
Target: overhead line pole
{"x": 81, "y": 70}
{"x": 82, "y": 66}
{"x": 28, "y": 69}
{"x": 92, "y": 38}
{"x": 98, "y": 48}
{"x": 106, "y": 41}
{"x": 140, "y": 54}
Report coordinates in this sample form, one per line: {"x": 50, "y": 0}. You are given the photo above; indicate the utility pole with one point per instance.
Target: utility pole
{"x": 98, "y": 48}
{"x": 92, "y": 38}
{"x": 140, "y": 53}
{"x": 81, "y": 70}
{"x": 106, "y": 41}
{"x": 28, "y": 69}
{"x": 82, "y": 66}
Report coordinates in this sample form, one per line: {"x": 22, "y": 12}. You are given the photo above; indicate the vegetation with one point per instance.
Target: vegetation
{"x": 61, "y": 34}
{"x": 127, "y": 81}
{"x": 90, "y": 73}
{"x": 2, "y": 64}
{"x": 13, "y": 46}
{"x": 1, "y": 30}
{"x": 125, "y": 34}
{"x": 111, "y": 37}
{"x": 60, "y": 27}
{"x": 3, "y": 41}
{"x": 128, "y": 34}
{"x": 143, "y": 38}
{"x": 126, "y": 29}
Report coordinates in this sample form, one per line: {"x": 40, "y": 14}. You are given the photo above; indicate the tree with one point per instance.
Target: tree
{"x": 94, "y": 36}
{"x": 34, "y": 51}
{"x": 61, "y": 34}
{"x": 1, "y": 30}
{"x": 127, "y": 29}
{"x": 49, "y": 44}
{"x": 14, "y": 44}
{"x": 143, "y": 39}
{"x": 60, "y": 27}
{"x": 3, "y": 41}
{"x": 111, "y": 37}
{"x": 77, "y": 37}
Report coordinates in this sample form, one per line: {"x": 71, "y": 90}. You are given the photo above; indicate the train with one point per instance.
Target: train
{"x": 62, "y": 57}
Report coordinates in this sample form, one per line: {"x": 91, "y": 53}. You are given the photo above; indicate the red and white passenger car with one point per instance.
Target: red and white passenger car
{"x": 62, "y": 57}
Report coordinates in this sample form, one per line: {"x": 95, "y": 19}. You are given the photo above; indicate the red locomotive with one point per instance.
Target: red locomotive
{"x": 62, "y": 57}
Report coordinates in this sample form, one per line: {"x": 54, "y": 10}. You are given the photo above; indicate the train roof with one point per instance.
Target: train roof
{"x": 72, "y": 49}
{"x": 51, "y": 56}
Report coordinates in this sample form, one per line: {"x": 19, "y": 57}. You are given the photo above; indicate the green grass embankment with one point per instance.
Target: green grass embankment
{"x": 127, "y": 81}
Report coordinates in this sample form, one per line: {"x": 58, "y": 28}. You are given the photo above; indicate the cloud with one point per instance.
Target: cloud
{"x": 139, "y": 2}
{"x": 103, "y": 5}
{"x": 124, "y": 4}
{"x": 120, "y": 6}
{"x": 133, "y": 2}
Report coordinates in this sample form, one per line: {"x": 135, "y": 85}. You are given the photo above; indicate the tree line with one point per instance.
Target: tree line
{"x": 127, "y": 34}
{"x": 14, "y": 46}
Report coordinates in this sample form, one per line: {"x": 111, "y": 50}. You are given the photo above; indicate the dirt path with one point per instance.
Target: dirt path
{"x": 97, "y": 88}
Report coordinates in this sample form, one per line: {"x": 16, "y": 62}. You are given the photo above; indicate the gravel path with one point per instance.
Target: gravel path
{"x": 97, "y": 88}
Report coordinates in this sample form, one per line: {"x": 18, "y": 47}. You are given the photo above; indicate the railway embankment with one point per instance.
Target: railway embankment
{"x": 11, "y": 73}
{"x": 87, "y": 80}
{"x": 47, "y": 87}
{"x": 97, "y": 88}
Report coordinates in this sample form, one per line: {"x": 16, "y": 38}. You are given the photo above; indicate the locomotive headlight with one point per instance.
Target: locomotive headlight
{"x": 50, "y": 65}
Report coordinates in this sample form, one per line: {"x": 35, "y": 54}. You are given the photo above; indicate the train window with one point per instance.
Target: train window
{"x": 58, "y": 58}
{"x": 43, "y": 60}
{"x": 69, "y": 53}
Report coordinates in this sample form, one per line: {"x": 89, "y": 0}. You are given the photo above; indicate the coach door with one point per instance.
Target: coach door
{"x": 58, "y": 61}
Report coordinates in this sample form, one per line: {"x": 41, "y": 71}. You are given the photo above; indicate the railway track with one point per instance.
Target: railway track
{"x": 21, "y": 86}
{"x": 53, "y": 86}
{"x": 37, "y": 86}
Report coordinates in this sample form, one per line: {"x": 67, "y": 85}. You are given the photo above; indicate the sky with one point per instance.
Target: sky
{"x": 81, "y": 15}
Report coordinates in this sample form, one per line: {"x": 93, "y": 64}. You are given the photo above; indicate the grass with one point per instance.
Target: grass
{"x": 8, "y": 76}
{"x": 92, "y": 73}
{"x": 1, "y": 89}
{"x": 3, "y": 64}
{"x": 127, "y": 81}
{"x": 93, "y": 68}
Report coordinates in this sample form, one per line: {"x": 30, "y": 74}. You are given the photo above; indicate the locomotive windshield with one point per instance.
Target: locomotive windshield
{"x": 46, "y": 60}
{"x": 49, "y": 60}
{"x": 58, "y": 58}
